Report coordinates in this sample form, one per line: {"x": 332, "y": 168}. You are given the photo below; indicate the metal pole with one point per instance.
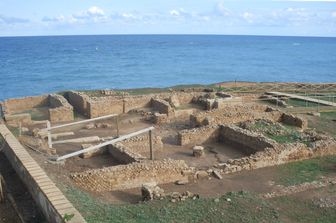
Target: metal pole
{"x": 2, "y": 191}
{"x": 20, "y": 128}
{"x": 151, "y": 145}
{"x": 123, "y": 137}
{"x": 82, "y": 122}
{"x": 277, "y": 100}
{"x": 117, "y": 123}
{"x": 306, "y": 101}
{"x": 49, "y": 135}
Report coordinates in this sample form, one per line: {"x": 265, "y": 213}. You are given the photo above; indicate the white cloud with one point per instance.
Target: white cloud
{"x": 333, "y": 14}
{"x": 95, "y": 11}
{"x": 221, "y": 10}
{"x": 12, "y": 20}
{"x": 179, "y": 13}
{"x": 249, "y": 17}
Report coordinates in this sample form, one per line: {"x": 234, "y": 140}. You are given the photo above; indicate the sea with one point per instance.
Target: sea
{"x": 40, "y": 65}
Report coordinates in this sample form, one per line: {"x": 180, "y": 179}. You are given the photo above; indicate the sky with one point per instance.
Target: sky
{"x": 228, "y": 17}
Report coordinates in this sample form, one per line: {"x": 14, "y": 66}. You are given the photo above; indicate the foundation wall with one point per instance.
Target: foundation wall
{"x": 16, "y": 119}
{"x": 123, "y": 154}
{"x": 281, "y": 154}
{"x": 99, "y": 106}
{"x": 132, "y": 175}
{"x": 79, "y": 101}
{"x": 16, "y": 105}
{"x": 199, "y": 136}
{"x": 297, "y": 121}
{"x": 162, "y": 106}
{"x": 61, "y": 110}
{"x": 251, "y": 142}
{"x": 224, "y": 102}
{"x": 234, "y": 114}
{"x": 140, "y": 144}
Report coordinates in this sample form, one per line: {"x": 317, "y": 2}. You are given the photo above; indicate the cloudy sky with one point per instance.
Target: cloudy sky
{"x": 246, "y": 17}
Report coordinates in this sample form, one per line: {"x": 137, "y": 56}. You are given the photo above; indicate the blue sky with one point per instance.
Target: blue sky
{"x": 246, "y": 17}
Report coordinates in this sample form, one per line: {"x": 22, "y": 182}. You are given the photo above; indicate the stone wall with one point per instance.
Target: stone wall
{"x": 248, "y": 141}
{"x": 297, "y": 121}
{"x": 280, "y": 154}
{"x": 60, "y": 110}
{"x": 132, "y": 175}
{"x": 221, "y": 103}
{"x": 99, "y": 106}
{"x": 123, "y": 154}
{"x": 162, "y": 106}
{"x": 234, "y": 114}
{"x": 198, "y": 136}
{"x": 16, "y": 105}
{"x": 140, "y": 144}
{"x": 79, "y": 101}
{"x": 17, "y": 119}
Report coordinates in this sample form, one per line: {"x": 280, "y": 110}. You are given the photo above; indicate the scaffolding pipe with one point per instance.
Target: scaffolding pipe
{"x": 121, "y": 138}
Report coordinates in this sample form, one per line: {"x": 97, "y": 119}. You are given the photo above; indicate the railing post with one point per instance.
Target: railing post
{"x": 117, "y": 123}
{"x": 20, "y": 129}
{"x": 49, "y": 135}
{"x": 151, "y": 144}
{"x": 2, "y": 190}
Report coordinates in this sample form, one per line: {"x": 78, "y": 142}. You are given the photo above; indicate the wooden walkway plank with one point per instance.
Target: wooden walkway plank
{"x": 304, "y": 98}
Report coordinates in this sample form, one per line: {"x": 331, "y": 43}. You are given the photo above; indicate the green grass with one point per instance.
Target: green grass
{"x": 244, "y": 207}
{"x": 288, "y": 134}
{"x": 14, "y": 130}
{"x": 328, "y": 115}
{"x": 306, "y": 170}
{"x": 301, "y": 103}
{"x": 144, "y": 91}
{"x": 298, "y": 209}
{"x": 324, "y": 124}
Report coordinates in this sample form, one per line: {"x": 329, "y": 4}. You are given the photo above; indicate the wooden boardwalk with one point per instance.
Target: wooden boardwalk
{"x": 304, "y": 98}
{"x": 49, "y": 198}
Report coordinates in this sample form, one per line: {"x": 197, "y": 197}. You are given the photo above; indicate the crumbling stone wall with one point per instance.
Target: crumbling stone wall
{"x": 297, "y": 121}
{"x": 234, "y": 114}
{"x": 221, "y": 103}
{"x": 123, "y": 154}
{"x": 19, "y": 118}
{"x": 280, "y": 154}
{"x": 79, "y": 101}
{"x": 162, "y": 106}
{"x": 140, "y": 144}
{"x": 99, "y": 106}
{"x": 132, "y": 175}
{"x": 61, "y": 110}
{"x": 249, "y": 141}
{"x": 16, "y": 105}
{"x": 198, "y": 136}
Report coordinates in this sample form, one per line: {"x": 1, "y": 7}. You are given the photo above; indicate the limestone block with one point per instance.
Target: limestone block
{"x": 174, "y": 101}
{"x": 198, "y": 151}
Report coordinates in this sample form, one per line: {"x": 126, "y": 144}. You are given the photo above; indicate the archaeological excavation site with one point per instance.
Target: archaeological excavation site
{"x": 183, "y": 144}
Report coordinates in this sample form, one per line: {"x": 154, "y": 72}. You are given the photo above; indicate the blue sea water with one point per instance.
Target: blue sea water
{"x": 37, "y": 65}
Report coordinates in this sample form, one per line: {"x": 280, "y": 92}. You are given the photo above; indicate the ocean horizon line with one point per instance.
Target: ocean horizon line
{"x": 167, "y": 34}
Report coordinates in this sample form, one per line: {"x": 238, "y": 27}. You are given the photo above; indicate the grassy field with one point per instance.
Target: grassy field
{"x": 306, "y": 170}
{"x": 232, "y": 207}
{"x": 301, "y": 103}
{"x": 324, "y": 124}
{"x": 242, "y": 207}
{"x": 279, "y": 133}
